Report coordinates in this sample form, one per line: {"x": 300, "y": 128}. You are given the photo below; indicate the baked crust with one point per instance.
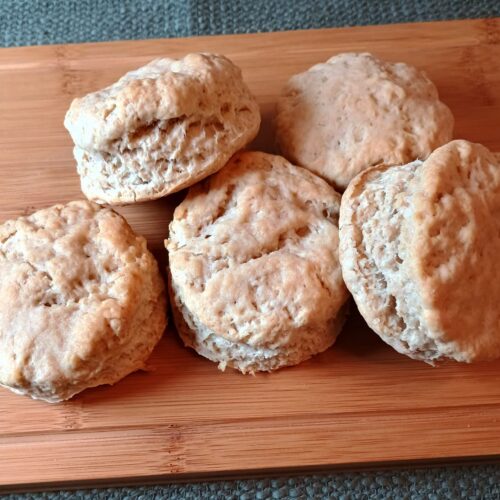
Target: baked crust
{"x": 253, "y": 254}
{"x": 355, "y": 111}
{"x": 161, "y": 128}
{"x": 82, "y": 302}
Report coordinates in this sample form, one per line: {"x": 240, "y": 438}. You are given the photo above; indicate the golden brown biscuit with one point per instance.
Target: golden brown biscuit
{"x": 82, "y": 302}
{"x": 161, "y": 128}
{"x": 419, "y": 247}
{"x": 355, "y": 111}
{"x": 255, "y": 277}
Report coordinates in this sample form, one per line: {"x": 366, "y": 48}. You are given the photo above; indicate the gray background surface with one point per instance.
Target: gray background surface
{"x": 33, "y": 22}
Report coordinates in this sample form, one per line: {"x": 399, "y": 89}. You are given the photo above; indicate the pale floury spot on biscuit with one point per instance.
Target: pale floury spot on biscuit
{"x": 161, "y": 128}
{"x": 255, "y": 276}
{"x": 82, "y": 302}
{"x": 419, "y": 246}
{"x": 356, "y": 111}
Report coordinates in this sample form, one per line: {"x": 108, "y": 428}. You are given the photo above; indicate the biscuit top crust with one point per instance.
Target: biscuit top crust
{"x": 254, "y": 251}
{"x": 456, "y": 245}
{"x": 355, "y": 111}
{"x": 161, "y": 90}
{"x": 70, "y": 279}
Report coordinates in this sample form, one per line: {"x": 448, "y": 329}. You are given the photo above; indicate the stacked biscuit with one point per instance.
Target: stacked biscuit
{"x": 262, "y": 252}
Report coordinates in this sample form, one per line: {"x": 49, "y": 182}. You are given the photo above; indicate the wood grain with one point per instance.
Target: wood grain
{"x": 359, "y": 403}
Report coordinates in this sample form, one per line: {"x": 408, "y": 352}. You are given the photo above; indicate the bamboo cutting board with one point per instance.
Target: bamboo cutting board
{"x": 358, "y": 404}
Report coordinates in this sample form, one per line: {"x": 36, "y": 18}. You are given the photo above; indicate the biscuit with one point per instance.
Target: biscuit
{"x": 419, "y": 247}
{"x": 255, "y": 278}
{"x": 356, "y": 111}
{"x": 161, "y": 128}
{"x": 82, "y": 302}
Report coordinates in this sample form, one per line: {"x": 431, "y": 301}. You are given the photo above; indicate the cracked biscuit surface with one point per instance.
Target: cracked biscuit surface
{"x": 161, "y": 128}
{"x": 82, "y": 302}
{"x": 419, "y": 246}
{"x": 355, "y": 111}
{"x": 255, "y": 280}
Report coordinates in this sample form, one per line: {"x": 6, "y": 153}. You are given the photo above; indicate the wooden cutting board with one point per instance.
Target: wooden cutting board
{"x": 358, "y": 404}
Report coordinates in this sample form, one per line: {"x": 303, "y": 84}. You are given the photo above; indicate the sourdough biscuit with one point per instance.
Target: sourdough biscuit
{"x": 255, "y": 277}
{"x": 161, "y": 128}
{"x": 419, "y": 247}
{"x": 82, "y": 302}
{"x": 355, "y": 111}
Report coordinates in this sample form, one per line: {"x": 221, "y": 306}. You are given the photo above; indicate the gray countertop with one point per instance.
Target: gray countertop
{"x": 33, "y": 22}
